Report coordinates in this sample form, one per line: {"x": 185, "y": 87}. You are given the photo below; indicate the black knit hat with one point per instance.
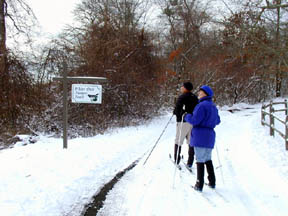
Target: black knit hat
{"x": 188, "y": 86}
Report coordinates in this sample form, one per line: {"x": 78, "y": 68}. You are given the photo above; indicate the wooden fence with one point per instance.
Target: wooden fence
{"x": 272, "y": 119}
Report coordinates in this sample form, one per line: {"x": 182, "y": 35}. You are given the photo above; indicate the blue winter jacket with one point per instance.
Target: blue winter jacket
{"x": 204, "y": 119}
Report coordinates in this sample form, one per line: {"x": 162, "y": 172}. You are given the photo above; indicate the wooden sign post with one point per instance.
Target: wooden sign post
{"x": 65, "y": 79}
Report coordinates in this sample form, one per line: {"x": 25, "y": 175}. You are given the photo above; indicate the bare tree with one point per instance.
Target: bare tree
{"x": 184, "y": 29}
{"x": 14, "y": 15}
{"x": 279, "y": 50}
{"x": 3, "y": 48}
{"x": 110, "y": 40}
{"x": 273, "y": 13}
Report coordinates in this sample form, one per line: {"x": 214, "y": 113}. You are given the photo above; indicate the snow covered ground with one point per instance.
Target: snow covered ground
{"x": 42, "y": 179}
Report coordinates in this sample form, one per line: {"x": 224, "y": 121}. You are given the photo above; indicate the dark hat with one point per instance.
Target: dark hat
{"x": 188, "y": 86}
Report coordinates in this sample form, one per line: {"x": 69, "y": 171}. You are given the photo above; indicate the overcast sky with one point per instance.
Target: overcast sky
{"x": 53, "y": 15}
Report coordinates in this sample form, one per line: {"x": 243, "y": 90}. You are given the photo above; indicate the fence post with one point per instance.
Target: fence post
{"x": 271, "y": 111}
{"x": 286, "y": 135}
{"x": 262, "y": 115}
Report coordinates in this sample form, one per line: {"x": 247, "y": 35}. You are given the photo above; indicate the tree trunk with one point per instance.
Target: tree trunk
{"x": 3, "y": 62}
{"x": 3, "y": 56}
{"x": 278, "y": 63}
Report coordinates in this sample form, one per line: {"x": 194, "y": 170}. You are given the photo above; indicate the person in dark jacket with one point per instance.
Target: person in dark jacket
{"x": 204, "y": 119}
{"x": 185, "y": 104}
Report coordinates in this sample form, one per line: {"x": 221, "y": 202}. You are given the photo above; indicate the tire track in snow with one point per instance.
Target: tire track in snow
{"x": 98, "y": 199}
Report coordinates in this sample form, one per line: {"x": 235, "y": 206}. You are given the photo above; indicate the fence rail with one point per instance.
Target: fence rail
{"x": 272, "y": 119}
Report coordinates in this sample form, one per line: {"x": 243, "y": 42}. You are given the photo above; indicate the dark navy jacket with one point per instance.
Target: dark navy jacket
{"x": 204, "y": 119}
{"x": 185, "y": 103}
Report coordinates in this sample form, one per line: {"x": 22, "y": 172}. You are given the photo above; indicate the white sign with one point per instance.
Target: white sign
{"x": 86, "y": 93}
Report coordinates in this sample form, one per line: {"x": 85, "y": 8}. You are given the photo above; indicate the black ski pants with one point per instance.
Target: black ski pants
{"x": 191, "y": 154}
{"x": 177, "y": 152}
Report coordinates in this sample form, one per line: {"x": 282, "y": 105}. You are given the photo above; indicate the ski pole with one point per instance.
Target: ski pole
{"x": 178, "y": 147}
{"x": 220, "y": 165}
{"x": 157, "y": 141}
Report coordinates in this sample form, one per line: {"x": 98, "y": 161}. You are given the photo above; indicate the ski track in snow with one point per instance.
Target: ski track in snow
{"x": 44, "y": 180}
{"x": 249, "y": 187}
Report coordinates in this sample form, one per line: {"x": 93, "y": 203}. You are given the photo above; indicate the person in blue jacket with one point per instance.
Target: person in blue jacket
{"x": 204, "y": 119}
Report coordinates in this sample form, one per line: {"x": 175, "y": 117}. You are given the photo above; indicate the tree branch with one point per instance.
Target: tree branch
{"x": 14, "y": 22}
{"x": 275, "y": 6}
{"x": 231, "y": 11}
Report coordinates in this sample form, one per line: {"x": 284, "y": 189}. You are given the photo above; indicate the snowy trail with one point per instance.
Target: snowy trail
{"x": 240, "y": 166}
{"x": 260, "y": 189}
{"x": 43, "y": 179}
{"x": 250, "y": 186}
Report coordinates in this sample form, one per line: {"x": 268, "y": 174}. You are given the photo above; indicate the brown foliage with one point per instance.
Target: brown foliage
{"x": 174, "y": 54}
{"x": 127, "y": 61}
{"x": 18, "y": 95}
